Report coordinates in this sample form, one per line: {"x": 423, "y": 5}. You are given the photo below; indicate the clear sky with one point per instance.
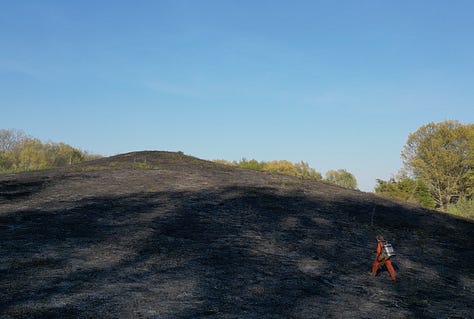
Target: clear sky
{"x": 338, "y": 84}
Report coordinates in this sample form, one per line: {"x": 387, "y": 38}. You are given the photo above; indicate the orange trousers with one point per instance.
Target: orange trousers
{"x": 387, "y": 263}
{"x": 380, "y": 260}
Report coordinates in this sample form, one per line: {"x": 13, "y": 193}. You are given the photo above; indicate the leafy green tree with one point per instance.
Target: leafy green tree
{"x": 342, "y": 178}
{"x": 304, "y": 171}
{"x": 405, "y": 189}
{"x": 31, "y": 155}
{"x": 62, "y": 154}
{"x": 442, "y": 156}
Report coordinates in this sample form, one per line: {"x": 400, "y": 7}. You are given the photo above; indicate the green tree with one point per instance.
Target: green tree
{"x": 31, "y": 154}
{"x": 405, "y": 189}
{"x": 441, "y": 155}
{"x": 62, "y": 154}
{"x": 303, "y": 170}
{"x": 342, "y": 178}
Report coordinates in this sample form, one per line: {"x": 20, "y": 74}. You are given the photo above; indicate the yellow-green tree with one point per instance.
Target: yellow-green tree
{"x": 19, "y": 152}
{"x": 442, "y": 156}
{"x": 62, "y": 154}
{"x": 342, "y": 178}
{"x": 304, "y": 171}
{"x": 280, "y": 167}
{"x": 301, "y": 169}
{"x": 31, "y": 155}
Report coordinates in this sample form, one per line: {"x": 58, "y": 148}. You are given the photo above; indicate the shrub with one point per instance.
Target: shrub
{"x": 464, "y": 207}
{"x": 407, "y": 190}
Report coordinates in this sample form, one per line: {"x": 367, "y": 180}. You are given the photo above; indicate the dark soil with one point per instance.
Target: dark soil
{"x": 164, "y": 235}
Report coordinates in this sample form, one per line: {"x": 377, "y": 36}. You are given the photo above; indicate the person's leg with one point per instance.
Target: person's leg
{"x": 389, "y": 265}
{"x": 375, "y": 267}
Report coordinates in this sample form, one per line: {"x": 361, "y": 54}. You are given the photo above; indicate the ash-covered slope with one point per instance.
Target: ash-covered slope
{"x": 164, "y": 235}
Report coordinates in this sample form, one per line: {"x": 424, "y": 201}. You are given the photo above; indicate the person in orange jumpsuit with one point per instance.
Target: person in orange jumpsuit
{"x": 382, "y": 259}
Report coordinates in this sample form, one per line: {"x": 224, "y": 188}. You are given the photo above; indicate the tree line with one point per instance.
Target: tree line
{"x": 301, "y": 169}
{"x": 438, "y": 169}
{"x": 21, "y": 152}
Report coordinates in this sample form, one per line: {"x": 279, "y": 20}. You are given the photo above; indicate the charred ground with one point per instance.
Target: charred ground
{"x": 164, "y": 235}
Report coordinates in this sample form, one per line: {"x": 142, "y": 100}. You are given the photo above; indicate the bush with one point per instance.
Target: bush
{"x": 252, "y": 164}
{"x": 301, "y": 169}
{"x": 407, "y": 190}
{"x": 464, "y": 207}
{"x": 19, "y": 152}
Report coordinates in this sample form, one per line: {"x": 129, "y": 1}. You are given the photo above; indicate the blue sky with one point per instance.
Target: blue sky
{"x": 338, "y": 84}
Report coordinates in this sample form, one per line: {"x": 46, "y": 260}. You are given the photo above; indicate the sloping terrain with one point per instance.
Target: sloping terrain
{"x": 164, "y": 235}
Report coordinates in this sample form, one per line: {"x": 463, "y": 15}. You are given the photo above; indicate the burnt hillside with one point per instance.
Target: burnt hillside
{"x": 164, "y": 235}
